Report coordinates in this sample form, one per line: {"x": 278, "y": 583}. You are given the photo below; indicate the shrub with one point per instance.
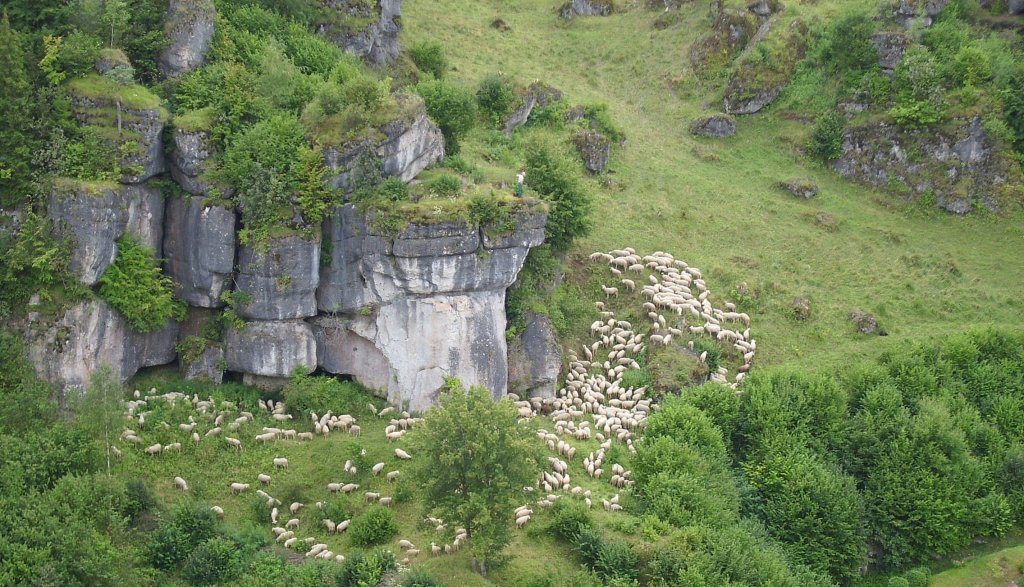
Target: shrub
{"x": 138, "y": 498}
{"x": 376, "y": 526}
{"x": 897, "y": 582}
{"x": 212, "y": 562}
{"x": 568, "y": 519}
{"x": 366, "y": 92}
{"x": 306, "y": 393}
{"x": 846, "y": 46}
{"x": 826, "y": 141}
{"x": 971, "y": 67}
{"x": 419, "y": 578}
{"x": 136, "y": 287}
{"x": 429, "y": 58}
{"x": 551, "y": 173}
{"x": 393, "y": 189}
{"x": 918, "y": 577}
{"x": 444, "y": 185}
{"x": 360, "y": 570}
{"x": 453, "y": 108}
{"x": 488, "y": 210}
{"x": 496, "y": 97}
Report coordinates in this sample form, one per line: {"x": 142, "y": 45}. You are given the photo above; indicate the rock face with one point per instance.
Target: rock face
{"x": 538, "y": 94}
{"x": 280, "y": 281}
{"x": 764, "y": 8}
{"x": 192, "y": 151}
{"x": 594, "y": 148}
{"x": 715, "y": 126}
{"x": 909, "y": 12}
{"x": 575, "y": 8}
{"x": 1015, "y": 6}
{"x": 410, "y": 302}
{"x": 208, "y": 366}
{"x": 801, "y": 187}
{"x": 753, "y": 85}
{"x": 534, "y": 359}
{"x": 189, "y": 25}
{"x": 368, "y": 29}
{"x": 271, "y": 349}
{"x": 199, "y": 247}
{"x": 891, "y": 45}
{"x": 89, "y": 335}
{"x": 409, "y": 146}
{"x": 145, "y": 215}
{"x": 730, "y": 32}
{"x": 958, "y": 170}
{"x": 143, "y": 127}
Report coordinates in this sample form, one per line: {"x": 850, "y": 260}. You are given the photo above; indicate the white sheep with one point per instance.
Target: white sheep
{"x": 180, "y": 484}
{"x": 292, "y": 523}
{"x": 237, "y": 488}
{"x": 522, "y": 520}
{"x": 295, "y": 507}
{"x": 153, "y": 449}
{"x": 392, "y": 476}
{"x": 385, "y": 501}
{"x": 218, "y": 510}
{"x": 377, "y": 469}
{"x": 342, "y": 526}
{"x": 402, "y": 454}
{"x": 233, "y": 442}
{"x": 355, "y": 430}
{"x": 263, "y": 479}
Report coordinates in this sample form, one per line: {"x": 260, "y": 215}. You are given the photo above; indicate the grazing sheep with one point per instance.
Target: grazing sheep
{"x": 295, "y": 507}
{"x": 342, "y": 526}
{"x": 370, "y": 496}
{"x": 195, "y": 437}
{"x": 281, "y": 463}
{"x": 435, "y": 549}
{"x": 331, "y": 526}
{"x": 292, "y": 523}
{"x": 273, "y": 515}
{"x": 234, "y": 442}
{"x": 175, "y": 446}
{"x": 377, "y": 469}
{"x": 355, "y": 430}
{"x": 610, "y": 291}
{"x": 522, "y": 520}
{"x": 263, "y": 479}
{"x": 237, "y": 488}
{"x": 349, "y": 487}
{"x": 282, "y": 417}
{"x": 402, "y": 454}
{"x": 180, "y": 484}
{"x": 393, "y": 476}
{"x": 385, "y": 501}
{"x": 116, "y": 452}
{"x": 218, "y": 510}
{"x": 290, "y": 542}
{"x": 405, "y": 544}
{"x": 334, "y": 487}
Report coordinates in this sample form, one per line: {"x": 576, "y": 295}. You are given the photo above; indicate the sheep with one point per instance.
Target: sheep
{"x": 521, "y": 521}
{"x": 393, "y": 476}
{"x": 187, "y": 428}
{"x": 281, "y": 462}
{"x": 263, "y": 479}
{"x": 331, "y": 526}
{"x": 435, "y": 549}
{"x": 295, "y": 507}
{"x": 273, "y": 515}
{"x": 292, "y": 523}
{"x": 402, "y": 454}
{"x": 290, "y": 542}
{"x": 234, "y": 442}
{"x": 175, "y": 446}
{"x": 304, "y": 436}
{"x": 334, "y": 487}
{"x": 355, "y": 430}
{"x": 342, "y": 526}
{"x": 370, "y": 496}
{"x": 412, "y": 552}
{"x": 349, "y": 487}
{"x": 195, "y": 437}
{"x": 285, "y": 536}
{"x": 153, "y": 449}
{"x": 377, "y": 469}
{"x": 116, "y": 452}
{"x": 405, "y": 544}
{"x": 610, "y": 291}
{"x": 218, "y": 510}
{"x": 282, "y": 417}
{"x": 180, "y": 484}
{"x": 385, "y": 501}
{"x": 237, "y": 488}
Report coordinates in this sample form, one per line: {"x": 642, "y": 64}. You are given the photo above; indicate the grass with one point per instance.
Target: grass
{"x": 195, "y": 120}
{"x": 923, "y": 273}
{"x": 314, "y": 464}
{"x": 97, "y": 87}
{"x": 994, "y": 570}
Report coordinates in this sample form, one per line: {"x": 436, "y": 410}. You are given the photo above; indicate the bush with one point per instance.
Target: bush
{"x": 551, "y": 173}
{"x": 393, "y": 189}
{"x": 453, "y": 109}
{"x": 429, "y": 58}
{"x": 376, "y": 526}
{"x": 136, "y": 287}
{"x": 496, "y": 97}
{"x": 488, "y": 210}
{"x": 212, "y": 562}
{"x": 846, "y": 46}
{"x": 918, "y": 577}
{"x": 361, "y": 570}
{"x": 419, "y": 578}
{"x": 897, "y": 582}
{"x": 445, "y": 185}
{"x": 321, "y": 393}
{"x": 568, "y": 519}
{"x": 826, "y": 141}
{"x": 366, "y": 92}
{"x": 138, "y": 498}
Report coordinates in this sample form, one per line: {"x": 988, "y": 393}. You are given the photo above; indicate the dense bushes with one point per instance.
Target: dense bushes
{"x": 305, "y": 393}
{"x": 497, "y": 98}
{"x": 376, "y": 526}
{"x": 429, "y": 58}
{"x": 555, "y": 177}
{"x": 361, "y": 569}
{"x": 826, "y": 141}
{"x": 135, "y": 285}
{"x": 451, "y": 107}
{"x": 212, "y": 562}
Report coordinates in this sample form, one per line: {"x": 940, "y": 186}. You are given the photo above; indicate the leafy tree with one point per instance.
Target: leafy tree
{"x": 813, "y": 509}
{"x": 451, "y": 107}
{"x": 826, "y": 141}
{"x": 26, "y": 401}
{"x": 556, "y": 178}
{"x": 116, "y": 17}
{"x": 135, "y": 285}
{"x": 473, "y": 460}
{"x": 847, "y": 47}
{"x": 1013, "y": 107}
{"x": 497, "y": 97}
{"x": 429, "y": 58}
{"x": 16, "y": 143}
{"x": 100, "y": 410}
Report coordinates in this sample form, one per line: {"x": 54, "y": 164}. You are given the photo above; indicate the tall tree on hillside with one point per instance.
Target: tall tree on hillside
{"x": 101, "y": 410}
{"x": 473, "y": 459}
{"x": 15, "y": 118}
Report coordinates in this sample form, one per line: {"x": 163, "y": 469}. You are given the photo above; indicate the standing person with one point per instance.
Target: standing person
{"x": 520, "y": 178}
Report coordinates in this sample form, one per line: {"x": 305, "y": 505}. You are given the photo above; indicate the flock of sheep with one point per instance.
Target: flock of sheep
{"x": 594, "y": 404}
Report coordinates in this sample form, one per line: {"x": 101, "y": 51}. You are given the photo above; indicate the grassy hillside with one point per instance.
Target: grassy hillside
{"x": 714, "y": 204}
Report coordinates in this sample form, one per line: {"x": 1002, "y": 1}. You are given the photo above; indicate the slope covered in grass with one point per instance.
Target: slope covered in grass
{"x": 715, "y": 204}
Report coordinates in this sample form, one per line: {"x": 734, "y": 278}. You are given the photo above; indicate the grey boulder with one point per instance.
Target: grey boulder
{"x": 189, "y": 26}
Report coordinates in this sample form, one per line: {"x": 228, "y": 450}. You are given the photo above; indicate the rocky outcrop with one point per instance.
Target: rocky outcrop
{"x": 891, "y": 45}
{"x": 1015, "y": 6}
{"x": 140, "y": 128}
{"x": 537, "y": 94}
{"x": 209, "y": 365}
{"x": 190, "y": 159}
{"x": 801, "y": 187}
{"x": 715, "y": 126}
{"x": 189, "y": 26}
{"x": 95, "y": 216}
{"x": 90, "y": 334}
{"x": 574, "y": 8}
{"x": 730, "y": 32}
{"x": 923, "y": 12}
{"x": 368, "y": 29}
{"x": 754, "y": 84}
{"x": 594, "y": 148}
{"x": 764, "y": 8}
{"x": 279, "y": 282}
{"x": 410, "y": 146}
{"x": 271, "y": 349}
{"x": 958, "y": 169}
{"x": 410, "y": 302}
{"x": 199, "y": 247}
{"x": 534, "y": 359}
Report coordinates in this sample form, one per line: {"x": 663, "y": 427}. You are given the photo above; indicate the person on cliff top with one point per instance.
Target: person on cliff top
{"x": 520, "y": 178}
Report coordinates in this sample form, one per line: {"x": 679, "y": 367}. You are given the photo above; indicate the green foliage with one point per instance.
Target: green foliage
{"x": 366, "y": 92}
{"x": 917, "y": 83}
{"x": 417, "y": 577}
{"x": 846, "y": 45}
{"x": 190, "y": 349}
{"x": 919, "y": 114}
{"x": 826, "y": 141}
{"x": 26, "y": 404}
{"x": 679, "y": 420}
{"x": 718, "y": 402}
{"x": 135, "y": 285}
{"x": 473, "y": 459}
{"x": 452, "y": 107}
{"x": 34, "y": 262}
{"x": 393, "y": 189}
{"x": 320, "y": 394}
{"x": 16, "y": 144}
{"x": 568, "y": 519}
{"x": 361, "y": 570}
{"x": 85, "y": 155}
{"x": 212, "y": 562}
{"x": 897, "y": 582}
{"x": 1013, "y": 105}
{"x": 444, "y": 185}
{"x": 612, "y": 561}
{"x": 551, "y": 172}
{"x": 376, "y": 526}
{"x": 429, "y": 58}
{"x": 38, "y": 459}
{"x": 101, "y": 409}
{"x": 174, "y": 539}
{"x": 918, "y": 577}
{"x": 488, "y": 210}
{"x": 497, "y": 98}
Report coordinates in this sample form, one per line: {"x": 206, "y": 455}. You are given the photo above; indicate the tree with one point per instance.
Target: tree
{"x": 550, "y": 172}
{"x": 15, "y": 119}
{"x": 451, "y": 107}
{"x": 101, "y": 410}
{"x": 116, "y": 16}
{"x": 473, "y": 460}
